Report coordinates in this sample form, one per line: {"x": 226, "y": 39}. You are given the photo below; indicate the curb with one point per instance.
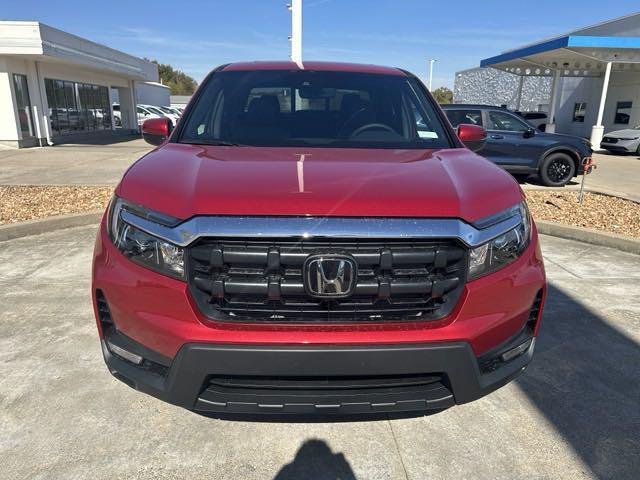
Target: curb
{"x": 588, "y": 235}
{"x": 576, "y": 189}
{"x": 45, "y": 225}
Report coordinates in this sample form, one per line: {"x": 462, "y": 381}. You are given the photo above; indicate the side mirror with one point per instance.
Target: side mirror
{"x": 156, "y": 130}
{"x": 529, "y": 132}
{"x": 474, "y": 137}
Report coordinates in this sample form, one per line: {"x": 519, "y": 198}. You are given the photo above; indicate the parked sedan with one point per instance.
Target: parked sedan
{"x": 623, "y": 141}
{"x": 158, "y": 111}
{"x": 519, "y": 148}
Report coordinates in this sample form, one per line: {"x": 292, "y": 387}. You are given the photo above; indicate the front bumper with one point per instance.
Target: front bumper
{"x": 239, "y": 379}
{"x": 223, "y": 367}
{"x": 621, "y": 146}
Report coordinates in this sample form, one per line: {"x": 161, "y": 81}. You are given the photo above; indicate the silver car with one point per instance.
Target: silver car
{"x": 622, "y": 141}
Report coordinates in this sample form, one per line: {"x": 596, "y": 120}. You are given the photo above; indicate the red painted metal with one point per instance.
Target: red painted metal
{"x": 185, "y": 180}
{"x": 471, "y": 133}
{"x": 314, "y": 65}
{"x": 156, "y": 130}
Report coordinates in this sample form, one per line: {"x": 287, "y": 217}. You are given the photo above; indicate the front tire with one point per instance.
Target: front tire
{"x": 557, "y": 169}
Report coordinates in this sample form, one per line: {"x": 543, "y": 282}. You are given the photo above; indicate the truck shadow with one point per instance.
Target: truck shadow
{"x": 584, "y": 379}
{"x": 314, "y": 459}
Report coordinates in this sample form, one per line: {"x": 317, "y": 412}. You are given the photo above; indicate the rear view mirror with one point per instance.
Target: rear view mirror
{"x": 156, "y": 130}
{"x": 474, "y": 137}
{"x": 314, "y": 93}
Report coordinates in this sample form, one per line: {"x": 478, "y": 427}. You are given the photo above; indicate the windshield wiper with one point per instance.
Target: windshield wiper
{"x": 219, "y": 143}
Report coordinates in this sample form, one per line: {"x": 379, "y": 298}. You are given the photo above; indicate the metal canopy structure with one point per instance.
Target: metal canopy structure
{"x": 572, "y": 55}
{"x": 593, "y": 51}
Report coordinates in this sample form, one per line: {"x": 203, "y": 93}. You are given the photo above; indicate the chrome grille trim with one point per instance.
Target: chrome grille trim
{"x": 323, "y": 227}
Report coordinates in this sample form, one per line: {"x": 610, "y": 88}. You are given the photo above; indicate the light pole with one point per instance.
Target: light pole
{"x": 295, "y": 7}
{"x": 431, "y": 62}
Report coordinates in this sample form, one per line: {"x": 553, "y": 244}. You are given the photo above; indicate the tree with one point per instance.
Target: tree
{"x": 443, "y": 95}
{"x": 179, "y": 82}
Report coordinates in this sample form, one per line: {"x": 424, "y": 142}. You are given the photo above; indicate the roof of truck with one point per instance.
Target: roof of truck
{"x": 312, "y": 65}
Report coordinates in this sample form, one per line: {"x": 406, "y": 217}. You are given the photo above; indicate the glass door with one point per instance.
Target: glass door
{"x": 23, "y": 103}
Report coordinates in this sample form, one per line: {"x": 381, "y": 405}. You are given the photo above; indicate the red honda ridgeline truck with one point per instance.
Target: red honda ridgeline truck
{"x": 316, "y": 239}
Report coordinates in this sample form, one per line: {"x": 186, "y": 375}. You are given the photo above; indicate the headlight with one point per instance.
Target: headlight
{"x": 142, "y": 248}
{"x": 628, "y": 138}
{"x": 502, "y": 250}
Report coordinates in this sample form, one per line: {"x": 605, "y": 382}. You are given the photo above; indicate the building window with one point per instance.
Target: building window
{"x": 579, "y": 110}
{"x": 623, "y": 113}
{"x": 23, "y": 104}
{"x": 77, "y": 107}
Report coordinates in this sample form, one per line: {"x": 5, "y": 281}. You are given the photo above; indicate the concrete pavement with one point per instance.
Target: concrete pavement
{"x": 617, "y": 175}
{"x": 71, "y": 164}
{"x": 574, "y": 414}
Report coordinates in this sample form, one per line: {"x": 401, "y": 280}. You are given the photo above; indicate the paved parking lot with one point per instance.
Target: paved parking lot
{"x": 616, "y": 175}
{"x": 574, "y": 414}
{"x": 72, "y": 164}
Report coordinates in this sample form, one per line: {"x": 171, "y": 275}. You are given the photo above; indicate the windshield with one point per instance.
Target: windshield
{"x": 318, "y": 109}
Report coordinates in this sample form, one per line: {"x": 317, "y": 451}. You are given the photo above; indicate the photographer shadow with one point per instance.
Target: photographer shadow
{"x": 315, "y": 460}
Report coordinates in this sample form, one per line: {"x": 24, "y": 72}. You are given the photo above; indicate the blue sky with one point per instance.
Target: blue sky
{"x": 196, "y": 36}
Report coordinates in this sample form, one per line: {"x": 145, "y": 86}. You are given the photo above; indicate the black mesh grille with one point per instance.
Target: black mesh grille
{"x": 247, "y": 280}
{"x": 610, "y": 140}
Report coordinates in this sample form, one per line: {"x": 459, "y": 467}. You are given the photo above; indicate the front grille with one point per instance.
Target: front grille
{"x": 610, "y": 140}
{"x": 262, "y": 280}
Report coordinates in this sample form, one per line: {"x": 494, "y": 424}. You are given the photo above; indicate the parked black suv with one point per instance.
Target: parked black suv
{"x": 520, "y": 148}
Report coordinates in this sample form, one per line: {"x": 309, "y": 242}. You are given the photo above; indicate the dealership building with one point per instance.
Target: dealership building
{"x": 54, "y": 85}
{"x": 588, "y": 80}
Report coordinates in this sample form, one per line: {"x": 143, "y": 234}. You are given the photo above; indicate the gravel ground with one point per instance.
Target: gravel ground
{"x": 601, "y": 212}
{"x": 26, "y": 202}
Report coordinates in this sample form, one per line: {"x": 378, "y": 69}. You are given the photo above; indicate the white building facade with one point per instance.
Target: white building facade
{"x": 54, "y": 85}
{"x": 153, "y": 93}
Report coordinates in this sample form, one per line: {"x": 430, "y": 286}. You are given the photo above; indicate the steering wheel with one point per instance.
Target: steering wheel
{"x": 370, "y": 126}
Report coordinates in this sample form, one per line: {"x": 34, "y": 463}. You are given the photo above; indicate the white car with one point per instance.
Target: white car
{"x": 145, "y": 113}
{"x": 622, "y": 141}
{"x": 171, "y": 110}
{"x": 159, "y": 111}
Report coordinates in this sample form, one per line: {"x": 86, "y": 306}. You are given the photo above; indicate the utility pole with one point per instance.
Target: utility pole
{"x": 295, "y": 7}
{"x": 431, "y": 62}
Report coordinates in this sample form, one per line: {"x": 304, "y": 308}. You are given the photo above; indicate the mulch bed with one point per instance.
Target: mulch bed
{"x": 600, "y": 212}
{"x": 27, "y": 202}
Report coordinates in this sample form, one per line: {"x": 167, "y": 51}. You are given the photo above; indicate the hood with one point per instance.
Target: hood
{"x": 626, "y": 133}
{"x": 561, "y": 137}
{"x": 186, "y": 180}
